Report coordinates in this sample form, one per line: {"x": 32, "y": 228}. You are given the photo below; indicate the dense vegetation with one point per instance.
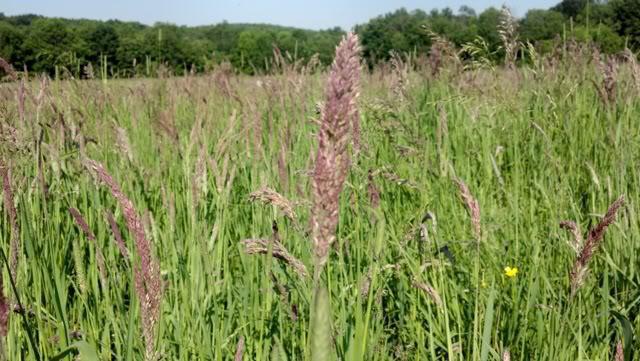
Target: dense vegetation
{"x": 140, "y": 216}
{"x": 116, "y": 48}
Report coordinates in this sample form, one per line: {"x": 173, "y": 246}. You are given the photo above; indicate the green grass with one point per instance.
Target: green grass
{"x": 534, "y": 150}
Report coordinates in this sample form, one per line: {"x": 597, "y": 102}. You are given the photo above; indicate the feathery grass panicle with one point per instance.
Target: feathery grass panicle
{"x": 509, "y": 36}
{"x": 429, "y": 291}
{"x": 576, "y": 234}
{"x": 9, "y": 206}
{"x": 239, "y": 350}
{"x": 82, "y": 223}
{"x": 339, "y": 116}
{"x": 148, "y": 281}
{"x": 123, "y": 143}
{"x": 635, "y": 67}
{"x": 269, "y": 196}
{"x": 278, "y": 250}
{"x": 117, "y": 235}
{"x": 8, "y": 68}
{"x": 619, "y": 356}
{"x": 373, "y": 191}
{"x": 594, "y": 240}
{"x": 472, "y": 205}
{"x": 506, "y": 355}
{"x": 609, "y": 71}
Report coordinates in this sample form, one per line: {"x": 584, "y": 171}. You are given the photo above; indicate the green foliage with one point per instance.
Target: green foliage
{"x": 541, "y": 25}
{"x": 320, "y": 342}
{"x": 131, "y": 48}
{"x": 488, "y": 26}
{"x": 601, "y": 35}
{"x": 571, "y": 8}
{"x": 627, "y": 16}
{"x": 535, "y": 147}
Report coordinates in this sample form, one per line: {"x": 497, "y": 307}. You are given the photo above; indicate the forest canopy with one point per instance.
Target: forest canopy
{"x": 124, "y": 49}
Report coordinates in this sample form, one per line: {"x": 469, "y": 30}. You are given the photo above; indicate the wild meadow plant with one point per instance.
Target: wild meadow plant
{"x": 408, "y": 211}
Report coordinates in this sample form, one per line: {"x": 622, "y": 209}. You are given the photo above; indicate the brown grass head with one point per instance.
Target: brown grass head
{"x": 576, "y": 234}
{"x": 507, "y": 29}
{"x": 269, "y": 196}
{"x": 8, "y": 68}
{"x": 472, "y": 205}
{"x": 431, "y": 292}
{"x": 278, "y": 250}
{"x": 594, "y": 240}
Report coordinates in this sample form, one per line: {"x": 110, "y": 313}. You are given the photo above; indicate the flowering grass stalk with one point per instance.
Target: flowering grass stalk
{"x": 594, "y": 240}
{"x": 148, "y": 280}
{"x": 338, "y": 118}
{"x": 13, "y": 219}
{"x": 472, "y": 205}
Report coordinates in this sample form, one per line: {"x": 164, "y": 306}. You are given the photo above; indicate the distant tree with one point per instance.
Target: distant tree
{"x": 597, "y": 14}
{"x": 467, "y": 11}
{"x": 571, "y": 8}
{"x": 607, "y": 40}
{"x": 253, "y": 49}
{"x": 49, "y": 43}
{"x": 488, "y": 22}
{"x": 627, "y": 16}
{"x": 541, "y": 25}
{"x": 102, "y": 40}
{"x": 11, "y": 40}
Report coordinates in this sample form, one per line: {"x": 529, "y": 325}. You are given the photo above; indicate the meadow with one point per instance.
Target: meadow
{"x": 183, "y": 217}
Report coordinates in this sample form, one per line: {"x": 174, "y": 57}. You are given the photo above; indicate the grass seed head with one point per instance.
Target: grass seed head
{"x": 338, "y": 118}
{"x": 594, "y": 240}
{"x": 472, "y": 205}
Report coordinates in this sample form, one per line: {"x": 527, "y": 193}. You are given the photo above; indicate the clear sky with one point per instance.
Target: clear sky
{"x": 315, "y": 14}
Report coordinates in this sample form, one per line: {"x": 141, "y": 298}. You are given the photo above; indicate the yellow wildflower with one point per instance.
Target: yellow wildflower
{"x": 510, "y": 271}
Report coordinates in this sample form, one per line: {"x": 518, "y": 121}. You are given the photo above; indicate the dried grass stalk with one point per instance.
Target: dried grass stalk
{"x": 373, "y": 191}
{"x": 594, "y": 240}
{"x": 123, "y": 144}
{"x": 507, "y": 29}
{"x": 339, "y": 116}
{"x": 8, "y": 68}
{"x": 261, "y": 246}
{"x": 269, "y": 196}
{"x": 572, "y": 227}
{"x": 472, "y": 205}
{"x": 609, "y": 71}
{"x": 429, "y": 291}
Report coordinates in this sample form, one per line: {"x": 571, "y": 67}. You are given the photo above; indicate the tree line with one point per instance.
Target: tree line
{"x": 123, "y": 49}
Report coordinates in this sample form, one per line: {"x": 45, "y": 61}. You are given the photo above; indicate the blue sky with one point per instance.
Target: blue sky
{"x": 318, "y": 14}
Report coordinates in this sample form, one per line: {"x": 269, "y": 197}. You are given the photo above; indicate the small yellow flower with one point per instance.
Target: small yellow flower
{"x": 510, "y": 271}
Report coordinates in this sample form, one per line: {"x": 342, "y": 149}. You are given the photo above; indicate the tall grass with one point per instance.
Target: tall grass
{"x": 186, "y": 169}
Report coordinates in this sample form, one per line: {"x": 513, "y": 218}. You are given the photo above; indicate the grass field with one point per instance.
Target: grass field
{"x": 417, "y": 271}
